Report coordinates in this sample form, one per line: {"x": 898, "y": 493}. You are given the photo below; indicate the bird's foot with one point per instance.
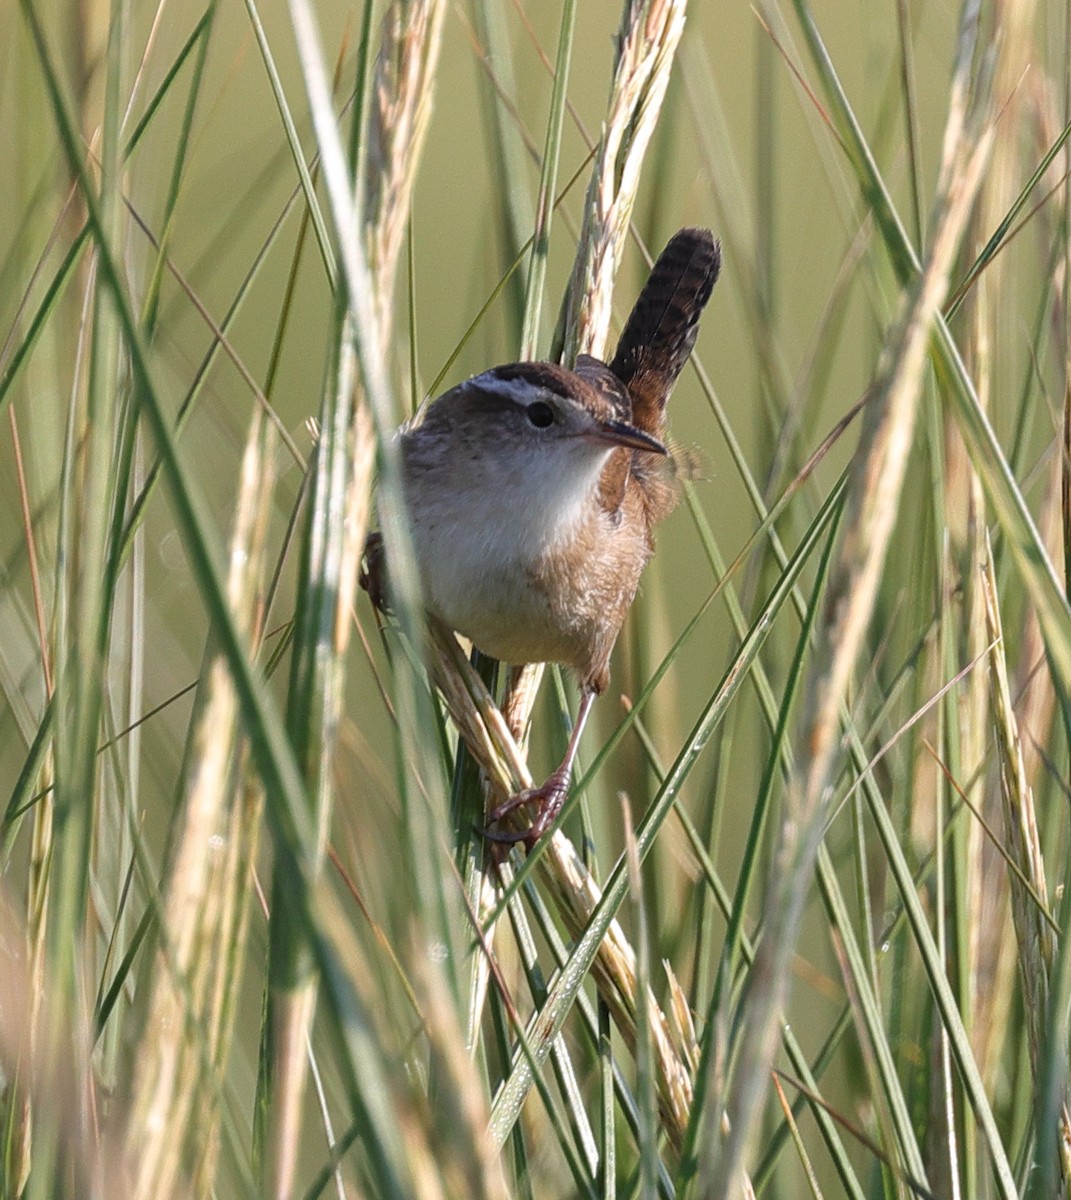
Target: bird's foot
{"x": 547, "y": 800}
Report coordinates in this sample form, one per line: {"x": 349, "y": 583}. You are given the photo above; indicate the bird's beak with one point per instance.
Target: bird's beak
{"x": 620, "y": 433}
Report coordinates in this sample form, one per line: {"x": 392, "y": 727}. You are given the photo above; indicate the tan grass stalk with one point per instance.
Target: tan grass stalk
{"x": 42, "y": 838}
{"x": 401, "y": 95}
{"x": 1034, "y": 928}
{"x": 648, "y": 39}
{"x": 37, "y": 895}
{"x": 172, "y": 1137}
{"x": 990, "y": 965}
{"x": 57, "y": 1076}
{"x": 462, "y": 1159}
{"x": 647, "y": 44}
{"x": 565, "y": 878}
{"x": 877, "y": 478}
{"x": 411, "y": 35}
{"x": 1036, "y": 696}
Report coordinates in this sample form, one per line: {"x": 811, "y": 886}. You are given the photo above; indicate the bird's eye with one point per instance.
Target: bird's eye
{"x": 541, "y": 415}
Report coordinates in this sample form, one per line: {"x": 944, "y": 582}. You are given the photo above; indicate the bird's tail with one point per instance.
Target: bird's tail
{"x": 661, "y": 330}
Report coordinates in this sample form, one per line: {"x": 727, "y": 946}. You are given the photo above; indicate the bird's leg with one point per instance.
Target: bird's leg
{"x": 549, "y": 797}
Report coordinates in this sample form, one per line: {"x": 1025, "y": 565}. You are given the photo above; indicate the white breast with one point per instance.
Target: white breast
{"x": 478, "y": 535}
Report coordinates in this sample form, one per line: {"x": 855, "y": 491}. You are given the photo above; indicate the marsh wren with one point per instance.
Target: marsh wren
{"x": 533, "y": 490}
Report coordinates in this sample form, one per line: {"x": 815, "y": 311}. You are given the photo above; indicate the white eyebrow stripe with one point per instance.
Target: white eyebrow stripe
{"x": 517, "y": 389}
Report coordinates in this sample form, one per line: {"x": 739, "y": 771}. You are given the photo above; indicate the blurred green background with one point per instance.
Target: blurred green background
{"x": 738, "y": 148}
{"x": 791, "y": 341}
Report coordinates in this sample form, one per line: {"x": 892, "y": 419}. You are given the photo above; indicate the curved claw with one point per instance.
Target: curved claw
{"x": 508, "y": 838}
{"x": 548, "y": 799}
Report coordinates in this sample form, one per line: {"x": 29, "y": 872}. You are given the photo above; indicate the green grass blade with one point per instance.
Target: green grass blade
{"x": 537, "y": 269}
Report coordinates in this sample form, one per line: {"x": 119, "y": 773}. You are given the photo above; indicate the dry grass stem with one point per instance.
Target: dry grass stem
{"x": 402, "y": 94}
{"x": 1030, "y": 907}
{"x": 647, "y": 44}
{"x": 851, "y": 866}
{"x": 402, "y": 88}
{"x": 52, "y": 1075}
{"x": 877, "y": 477}
{"x": 462, "y": 1160}
{"x": 172, "y": 1136}
{"x": 565, "y": 877}
{"x": 648, "y": 40}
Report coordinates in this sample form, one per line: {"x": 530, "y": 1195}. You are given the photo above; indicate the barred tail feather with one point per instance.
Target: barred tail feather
{"x": 662, "y": 328}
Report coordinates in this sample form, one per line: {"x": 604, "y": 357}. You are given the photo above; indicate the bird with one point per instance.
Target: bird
{"x": 532, "y": 492}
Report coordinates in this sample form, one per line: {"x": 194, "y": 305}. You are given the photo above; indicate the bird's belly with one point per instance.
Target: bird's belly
{"x": 501, "y": 609}
{"x": 495, "y": 598}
